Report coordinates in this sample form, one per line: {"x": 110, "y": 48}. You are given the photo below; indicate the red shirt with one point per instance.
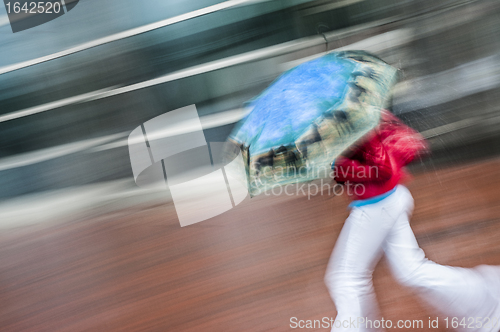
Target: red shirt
{"x": 376, "y": 165}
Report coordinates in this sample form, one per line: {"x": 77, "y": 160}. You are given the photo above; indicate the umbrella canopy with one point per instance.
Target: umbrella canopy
{"x": 309, "y": 115}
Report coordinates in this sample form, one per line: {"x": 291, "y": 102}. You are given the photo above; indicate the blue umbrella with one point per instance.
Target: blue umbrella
{"x": 309, "y": 115}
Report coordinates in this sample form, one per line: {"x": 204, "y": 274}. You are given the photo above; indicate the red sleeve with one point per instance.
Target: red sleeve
{"x": 405, "y": 142}
{"x": 375, "y": 167}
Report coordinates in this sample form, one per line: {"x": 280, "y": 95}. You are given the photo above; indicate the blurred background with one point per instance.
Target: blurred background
{"x": 58, "y": 126}
{"x": 73, "y": 89}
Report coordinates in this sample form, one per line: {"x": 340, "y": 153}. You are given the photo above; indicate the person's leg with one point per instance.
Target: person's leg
{"x": 452, "y": 291}
{"x": 349, "y": 272}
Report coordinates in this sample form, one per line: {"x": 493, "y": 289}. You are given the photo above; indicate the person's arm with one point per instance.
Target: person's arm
{"x": 376, "y": 167}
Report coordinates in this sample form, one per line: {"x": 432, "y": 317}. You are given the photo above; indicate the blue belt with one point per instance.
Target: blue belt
{"x": 371, "y": 200}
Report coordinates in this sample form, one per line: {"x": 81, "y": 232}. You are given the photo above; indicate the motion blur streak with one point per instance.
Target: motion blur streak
{"x": 84, "y": 248}
{"x": 125, "y": 34}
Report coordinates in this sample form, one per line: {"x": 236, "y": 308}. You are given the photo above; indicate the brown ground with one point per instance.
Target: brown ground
{"x": 250, "y": 269}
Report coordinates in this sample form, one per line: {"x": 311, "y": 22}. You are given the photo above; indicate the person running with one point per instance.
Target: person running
{"x": 379, "y": 224}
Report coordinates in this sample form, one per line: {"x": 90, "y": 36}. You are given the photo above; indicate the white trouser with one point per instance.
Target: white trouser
{"x": 384, "y": 227}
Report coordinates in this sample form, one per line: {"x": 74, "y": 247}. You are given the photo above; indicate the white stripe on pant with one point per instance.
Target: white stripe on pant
{"x": 384, "y": 227}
